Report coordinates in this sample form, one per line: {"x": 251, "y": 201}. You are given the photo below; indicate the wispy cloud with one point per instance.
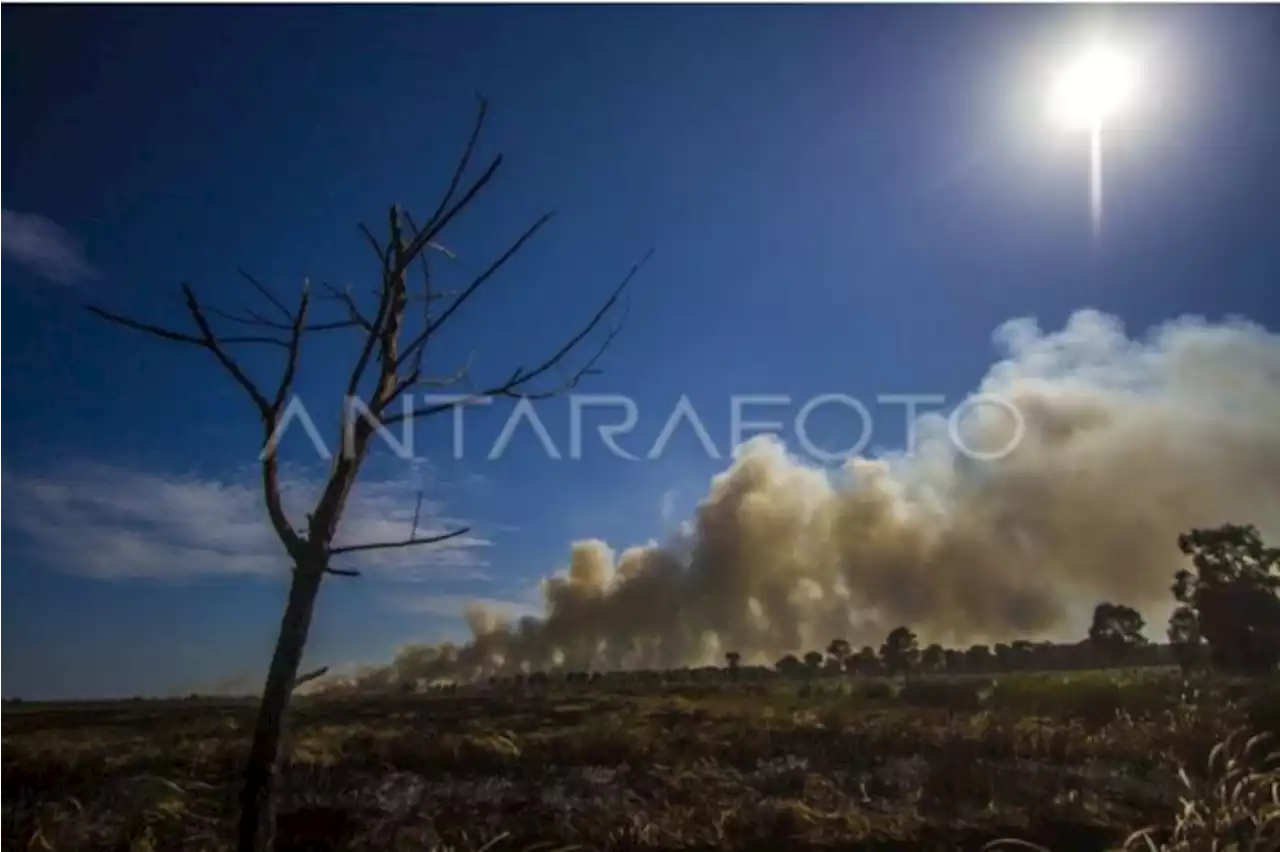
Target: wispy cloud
{"x": 115, "y": 522}
{"x": 44, "y": 247}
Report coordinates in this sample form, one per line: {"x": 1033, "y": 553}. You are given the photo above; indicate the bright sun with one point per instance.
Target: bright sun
{"x": 1093, "y": 89}
{"x": 1085, "y": 96}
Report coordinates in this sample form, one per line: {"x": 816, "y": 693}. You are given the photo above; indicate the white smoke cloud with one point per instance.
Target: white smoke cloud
{"x": 1127, "y": 443}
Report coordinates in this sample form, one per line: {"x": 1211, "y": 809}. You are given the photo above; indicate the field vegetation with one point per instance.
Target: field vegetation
{"x": 1067, "y": 760}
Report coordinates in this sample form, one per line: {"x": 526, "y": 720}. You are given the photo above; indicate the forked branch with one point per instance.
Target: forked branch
{"x": 268, "y": 409}
{"x": 517, "y": 386}
{"x": 431, "y": 326}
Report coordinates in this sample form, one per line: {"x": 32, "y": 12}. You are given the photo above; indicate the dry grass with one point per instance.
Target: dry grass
{"x": 942, "y": 765}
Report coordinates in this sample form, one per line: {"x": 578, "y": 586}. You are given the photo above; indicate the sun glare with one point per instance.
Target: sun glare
{"x": 1085, "y": 96}
{"x": 1092, "y": 89}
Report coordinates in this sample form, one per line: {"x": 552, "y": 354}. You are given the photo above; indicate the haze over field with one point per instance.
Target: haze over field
{"x": 1127, "y": 443}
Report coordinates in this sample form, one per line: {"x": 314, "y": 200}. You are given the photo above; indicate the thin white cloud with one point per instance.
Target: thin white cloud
{"x": 114, "y": 522}
{"x": 44, "y": 247}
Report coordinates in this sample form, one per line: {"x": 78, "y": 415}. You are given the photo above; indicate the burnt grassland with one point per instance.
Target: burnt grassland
{"x": 1073, "y": 762}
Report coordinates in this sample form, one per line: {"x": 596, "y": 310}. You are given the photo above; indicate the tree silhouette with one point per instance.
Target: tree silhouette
{"x": 1184, "y": 638}
{"x": 840, "y": 651}
{"x": 1116, "y": 629}
{"x": 733, "y": 659}
{"x": 813, "y": 661}
{"x": 393, "y": 330}
{"x": 789, "y": 665}
{"x": 978, "y": 658}
{"x": 1233, "y": 593}
{"x": 900, "y": 651}
{"x": 863, "y": 661}
{"x": 931, "y": 658}
{"x": 1022, "y": 654}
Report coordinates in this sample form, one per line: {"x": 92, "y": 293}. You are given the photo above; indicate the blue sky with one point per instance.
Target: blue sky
{"x": 841, "y": 200}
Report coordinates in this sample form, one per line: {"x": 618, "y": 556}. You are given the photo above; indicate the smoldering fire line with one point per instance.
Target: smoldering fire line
{"x": 1127, "y": 443}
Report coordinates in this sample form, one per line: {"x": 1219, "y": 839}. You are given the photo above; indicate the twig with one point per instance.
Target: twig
{"x": 471, "y": 288}
{"x": 514, "y": 386}
{"x": 343, "y": 572}
{"x": 262, "y": 288}
{"x": 178, "y": 336}
{"x": 409, "y": 542}
{"x": 310, "y": 676}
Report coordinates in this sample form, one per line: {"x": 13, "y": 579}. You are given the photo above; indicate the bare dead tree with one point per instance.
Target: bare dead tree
{"x": 395, "y": 328}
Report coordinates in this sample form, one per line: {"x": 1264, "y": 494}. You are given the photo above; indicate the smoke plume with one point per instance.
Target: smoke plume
{"x": 1125, "y": 444}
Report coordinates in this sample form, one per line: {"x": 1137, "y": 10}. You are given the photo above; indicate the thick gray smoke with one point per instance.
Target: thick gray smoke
{"x": 1126, "y": 444}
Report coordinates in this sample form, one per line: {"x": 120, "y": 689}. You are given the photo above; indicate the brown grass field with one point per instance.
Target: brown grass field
{"x": 1071, "y": 762}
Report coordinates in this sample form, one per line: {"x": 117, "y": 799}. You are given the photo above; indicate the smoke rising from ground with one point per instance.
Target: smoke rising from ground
{"x": 1127, "y": 443}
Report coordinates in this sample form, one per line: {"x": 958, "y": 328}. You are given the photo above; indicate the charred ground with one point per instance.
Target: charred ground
{"x": 1073, "y": 760}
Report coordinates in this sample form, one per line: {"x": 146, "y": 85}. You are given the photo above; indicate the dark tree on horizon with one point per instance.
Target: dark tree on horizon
{"x": 1184, "y": 638}
{"x": 840, "y": 650}
{"x": 1116, "y": 629}
{"x": 900, "y": 651}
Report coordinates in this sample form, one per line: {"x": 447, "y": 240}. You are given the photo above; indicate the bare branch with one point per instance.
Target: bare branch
{"x": 212, "y": 344}
{"x": 459, "y": 375}
{"x": 428, "y": 291}
{"x": 295, "y": 343}
{"x": 310, "y": 676}
{"x": 270, "y": 463}
{"x": 177, "y": 336}
{"x": 587, "y": 369}
{"x": 167, "y": 334}
{"x": 207, "y": 340}
{"x": 271, "y": 496}
{"x": 463, "y": 161}
{"x": 416, "y": 379}
{"x": 434, "y": 295}
{"x": 385, "y": 298}
{"x": 353, "y": 310}
{"x": 434, "y": 227}
{"x": 427, "y": 297}
{"x": 252, "y": 318}
{"x": 588, "y": 328}
{"x": 432, "y": 245}
{"x": 261, "y": 288}
{"x": 412, "y": 541}
{"x": 343, "y": 572}
{"x": 383, "y": 254}
{"x": 514, "y": 386}
{"x": 269, "y": 411}
{"x": 417, "y": 508}
{"x": 420, "y": 341}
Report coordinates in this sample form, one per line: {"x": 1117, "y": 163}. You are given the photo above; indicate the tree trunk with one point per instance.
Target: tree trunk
{"x": 257, "y": 800}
